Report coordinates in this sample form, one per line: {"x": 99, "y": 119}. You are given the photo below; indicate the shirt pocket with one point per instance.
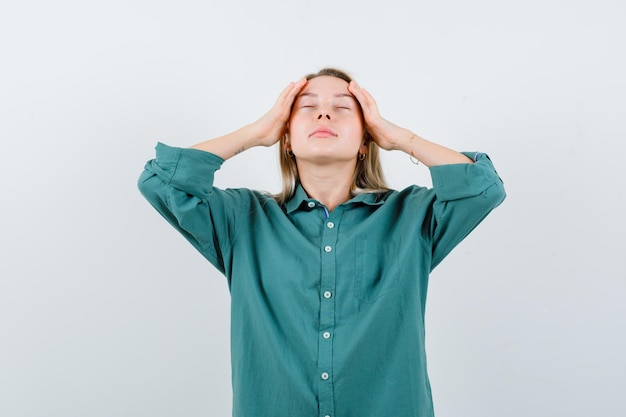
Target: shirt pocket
{"x": 377, "y": 269}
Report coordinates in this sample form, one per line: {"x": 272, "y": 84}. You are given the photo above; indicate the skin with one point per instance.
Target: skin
{"x": 326, "y": 161}
{"x": 325, "y": 103}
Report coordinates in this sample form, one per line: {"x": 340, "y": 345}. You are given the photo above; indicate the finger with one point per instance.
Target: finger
{"x": 368, "y": 95}
{"x": 369, "y": 98}
{"x": 288, "y": 95}
{"x": 285, "y": 101}
{"x": 364, "y": 97}
{"x": 297, "y": 87}
{"x": 367, "y": 102}
{"x": 356, "y": 90}
{"x": 285, "y": 91}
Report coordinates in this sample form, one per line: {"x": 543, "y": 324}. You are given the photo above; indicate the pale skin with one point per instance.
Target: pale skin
{"x": 325, "y": 133}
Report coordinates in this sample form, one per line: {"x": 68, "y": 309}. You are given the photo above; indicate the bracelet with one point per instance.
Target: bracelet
{"x": 412, "y": 157}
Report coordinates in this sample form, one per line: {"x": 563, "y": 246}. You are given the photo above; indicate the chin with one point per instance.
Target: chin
{"x": 325, "y": 157}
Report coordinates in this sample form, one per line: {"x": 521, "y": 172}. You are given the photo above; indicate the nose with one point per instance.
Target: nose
{"x": 323, "y": 115}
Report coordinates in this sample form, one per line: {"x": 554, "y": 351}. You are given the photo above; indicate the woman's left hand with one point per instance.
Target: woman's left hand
{"x": 386, "y": 134}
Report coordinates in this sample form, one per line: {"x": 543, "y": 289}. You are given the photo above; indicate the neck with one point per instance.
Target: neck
{"x": 330, "y": 185}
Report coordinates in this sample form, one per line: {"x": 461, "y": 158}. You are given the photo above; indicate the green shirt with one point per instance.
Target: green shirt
{"x": 327, "y": 309}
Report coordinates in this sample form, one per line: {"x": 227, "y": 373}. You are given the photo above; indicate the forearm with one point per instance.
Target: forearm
{"x": 266, "y": 131}
{"x": 430, "y": 153}
{"x": 231, "y": 144}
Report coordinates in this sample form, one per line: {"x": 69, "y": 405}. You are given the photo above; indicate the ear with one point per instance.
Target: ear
{"x": 286, "y": 142}
{"x": 364, "y": 146}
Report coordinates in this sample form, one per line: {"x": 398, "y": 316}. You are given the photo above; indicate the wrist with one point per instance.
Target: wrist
{"x": 412, "y": 156}
{"x": 252, "y": 135}
{"x": 407, "y": 142}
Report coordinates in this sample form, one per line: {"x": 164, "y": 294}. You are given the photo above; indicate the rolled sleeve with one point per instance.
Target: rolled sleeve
{"x": 456, "y": 181}
{"x": 189, "y": 170}
{"x": 465, "y": 195}
{"x": 178, "y": 183}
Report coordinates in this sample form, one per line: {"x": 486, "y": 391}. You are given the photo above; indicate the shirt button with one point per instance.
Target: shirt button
{"x": 311, "y": 204}
{"x": 328, "y": 248}
{"x": 328, "y": 294}
{"x": 326, "y": 335}
{"x": 324, "y": 376}
{"x": 330, "y": 225}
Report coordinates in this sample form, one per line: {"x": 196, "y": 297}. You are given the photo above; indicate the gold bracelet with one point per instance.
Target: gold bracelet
{"x": 412, "y": 158}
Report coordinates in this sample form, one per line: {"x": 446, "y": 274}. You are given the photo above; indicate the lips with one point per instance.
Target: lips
{"x": 323, "y": 132}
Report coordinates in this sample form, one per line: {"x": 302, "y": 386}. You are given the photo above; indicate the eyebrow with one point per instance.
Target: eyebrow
{"x": 336, "y": 95}
{"x": 339, "y": 95}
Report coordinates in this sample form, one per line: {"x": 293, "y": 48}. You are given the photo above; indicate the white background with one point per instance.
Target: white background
{"x": 106, "y": 311}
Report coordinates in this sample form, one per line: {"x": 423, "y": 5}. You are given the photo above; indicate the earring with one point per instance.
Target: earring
{"x": 289, "y": 153}
{"x": 361, "y": 156}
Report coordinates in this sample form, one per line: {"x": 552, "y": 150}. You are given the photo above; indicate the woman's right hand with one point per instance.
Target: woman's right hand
{"x": 270, "y": 128}
{"x": 266, "y": 131}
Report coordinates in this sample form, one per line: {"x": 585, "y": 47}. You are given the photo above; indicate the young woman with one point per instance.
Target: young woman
{"x": 328, "y": 279}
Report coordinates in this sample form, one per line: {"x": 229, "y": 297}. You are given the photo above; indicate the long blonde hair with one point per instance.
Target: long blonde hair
{"x": 368, "y": 174}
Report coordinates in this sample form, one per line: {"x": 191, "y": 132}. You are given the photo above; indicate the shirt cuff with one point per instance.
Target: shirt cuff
{"x": 456, "y": 181}
{"x": 187, "y": 169}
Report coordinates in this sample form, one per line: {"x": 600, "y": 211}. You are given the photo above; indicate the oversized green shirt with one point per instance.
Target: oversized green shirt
{"x": 327, "y": 308}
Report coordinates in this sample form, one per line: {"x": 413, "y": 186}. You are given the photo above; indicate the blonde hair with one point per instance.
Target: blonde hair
{"x": 368, "y": 174}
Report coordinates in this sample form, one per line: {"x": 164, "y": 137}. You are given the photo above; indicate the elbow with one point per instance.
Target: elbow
{"x": 495, "y": 193}
{"x": 142, "y": 182}
{"x": 148, "y": 184}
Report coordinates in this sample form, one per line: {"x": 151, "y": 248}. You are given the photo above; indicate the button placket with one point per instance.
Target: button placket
{"x": 327, "y": 311}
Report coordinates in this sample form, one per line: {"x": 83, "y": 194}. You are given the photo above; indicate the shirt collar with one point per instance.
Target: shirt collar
{"x": 300, "y": 198}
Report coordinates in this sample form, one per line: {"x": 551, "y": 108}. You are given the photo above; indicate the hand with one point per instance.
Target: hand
{"x": 386, "y": 134}
{"x": 270, "y": 128}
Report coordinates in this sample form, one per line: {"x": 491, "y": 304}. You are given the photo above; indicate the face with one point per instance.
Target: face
{"x": 326, "y": 123}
